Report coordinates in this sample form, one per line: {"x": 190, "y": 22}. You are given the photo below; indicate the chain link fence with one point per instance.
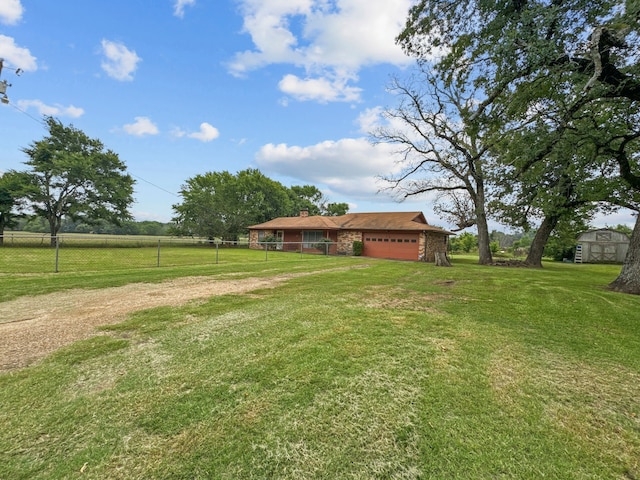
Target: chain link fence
{"x": 39, "y": 253}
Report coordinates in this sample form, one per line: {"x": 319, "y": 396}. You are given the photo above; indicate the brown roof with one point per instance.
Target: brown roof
{"x": 410, "y": 221}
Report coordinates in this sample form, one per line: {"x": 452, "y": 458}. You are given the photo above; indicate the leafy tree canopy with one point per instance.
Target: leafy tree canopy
{"x": 73, "y": 175}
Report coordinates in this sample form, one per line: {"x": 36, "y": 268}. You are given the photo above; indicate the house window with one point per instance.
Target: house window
{"x": 262, "y": 234}
{"x": 309, "y": 238}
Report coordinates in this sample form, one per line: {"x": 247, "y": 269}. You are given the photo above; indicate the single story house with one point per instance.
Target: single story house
{"x": 602, "y": 246}
{"x": 397, "y": 235}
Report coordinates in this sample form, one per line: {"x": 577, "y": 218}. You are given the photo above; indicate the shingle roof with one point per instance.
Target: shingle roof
{"x": 410, "y": 221}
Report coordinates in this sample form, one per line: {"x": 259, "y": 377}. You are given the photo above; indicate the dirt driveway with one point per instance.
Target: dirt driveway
{"x": 33, "y": 327}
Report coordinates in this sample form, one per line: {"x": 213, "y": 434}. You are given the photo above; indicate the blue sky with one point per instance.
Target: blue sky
{"x": 182, "y": 87}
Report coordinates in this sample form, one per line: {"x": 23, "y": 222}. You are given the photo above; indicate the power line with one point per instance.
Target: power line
{"x": 44, "y": 125}
{"x": 39, "y": 121}
{"x": 154, "y": 185}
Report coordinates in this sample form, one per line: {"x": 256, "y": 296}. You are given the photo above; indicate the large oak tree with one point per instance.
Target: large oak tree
{"x": 528, "y": 55}
{"x": 74, "y": 176}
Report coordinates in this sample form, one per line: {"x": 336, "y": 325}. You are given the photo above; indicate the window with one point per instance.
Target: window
{"x": 603, "y": 236}
{"x": 311, "y": 237}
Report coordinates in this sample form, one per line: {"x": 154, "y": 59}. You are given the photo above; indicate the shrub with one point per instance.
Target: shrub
{"x": 358, "y": 248}
{"x": 323, "y": 245}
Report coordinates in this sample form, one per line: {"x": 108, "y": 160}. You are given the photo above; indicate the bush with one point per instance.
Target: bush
{"x": 358, "y": 248}
{"x": 323, "y": 245}
{"x": 270, "y": 240}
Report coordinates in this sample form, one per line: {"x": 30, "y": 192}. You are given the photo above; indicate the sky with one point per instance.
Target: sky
{"x": 178, "y": 88}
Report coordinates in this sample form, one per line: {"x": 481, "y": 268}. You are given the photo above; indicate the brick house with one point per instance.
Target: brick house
{"x": 393, "y": 235}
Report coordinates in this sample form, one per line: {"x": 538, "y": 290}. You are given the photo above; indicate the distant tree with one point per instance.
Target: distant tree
{"x": 220, "y": 204}
{"x": 73, "y": 175}
{"x": 336, "y": 209}
{"x": 12, "y": 189}
{"x": 621, "y": 228}
{"x": 307, "y": 197}
{"x": 465, "y": 242}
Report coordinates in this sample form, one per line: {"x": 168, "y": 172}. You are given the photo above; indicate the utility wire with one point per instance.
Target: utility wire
{"x": 43, "y": 124}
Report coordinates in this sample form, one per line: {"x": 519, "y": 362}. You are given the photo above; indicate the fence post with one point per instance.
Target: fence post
{"x": 266, "y": 251}
{"x": 57, "y": 251}
{"x": 217, "y": 244}
{"x": 158, "y": 262}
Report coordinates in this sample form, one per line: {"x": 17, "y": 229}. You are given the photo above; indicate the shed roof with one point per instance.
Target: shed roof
{"x": 408, "y": 221}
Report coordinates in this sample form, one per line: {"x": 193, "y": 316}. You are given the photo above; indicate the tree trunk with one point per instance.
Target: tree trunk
{"x": 629, "y": 279}
{"x": 534, "y": 257}
{"x": 442, "y": 260}
{"x": 54, "y": 228}
{"x": 484, "y": 247}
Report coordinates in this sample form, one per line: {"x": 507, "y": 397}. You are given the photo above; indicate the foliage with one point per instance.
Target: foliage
{"x": 358, "y": 248}
{"x": 72, "y": 175}
{"x": 336, "y": 209}
{"x": 567, "y": 76}
{"x": 12, "y": 189}
{"x": 465, "y": 242}
{"x": 220, "y": 204}
{"x": 382, "y": 372}
{"x": 309, "y": 198}
{"x": 306, "y": 197}
{"x": 323, "y": 245}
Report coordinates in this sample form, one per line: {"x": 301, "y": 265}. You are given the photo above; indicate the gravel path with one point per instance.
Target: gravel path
{"x": 33, "y": 327}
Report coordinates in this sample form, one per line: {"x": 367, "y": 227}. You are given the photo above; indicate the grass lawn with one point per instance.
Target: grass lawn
{"x": 395, "y": 370}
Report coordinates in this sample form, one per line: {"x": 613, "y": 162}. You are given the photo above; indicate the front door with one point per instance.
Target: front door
{"x": 279, "y": 239}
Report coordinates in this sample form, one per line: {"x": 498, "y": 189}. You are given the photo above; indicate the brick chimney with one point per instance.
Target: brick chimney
{"x": 304, "y": 212}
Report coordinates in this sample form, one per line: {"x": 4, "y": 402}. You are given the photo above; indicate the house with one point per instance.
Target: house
{"x": 397, "y": 235}
{"x": 602, "y": 246}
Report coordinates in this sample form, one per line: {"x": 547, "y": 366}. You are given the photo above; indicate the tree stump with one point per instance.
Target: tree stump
{"x": 442, "y": 260}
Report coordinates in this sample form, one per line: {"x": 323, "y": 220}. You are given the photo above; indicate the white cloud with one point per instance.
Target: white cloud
{"x": 18, "y": 57}
{"x": 56, "y": 110}
{"x": 179, "y": 6}
{"x": 330, "y": 40}
{"x": 10, "y": 11}
{"x": 119, "y": 62}
{"x": 206, "y": 133}
{"x": 321, "y": 89}
{"x": 348, "y": 167}
{"x": 142, "y": 126}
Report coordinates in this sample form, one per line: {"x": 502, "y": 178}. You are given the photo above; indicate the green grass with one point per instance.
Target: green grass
{"x": 396, "y": 370}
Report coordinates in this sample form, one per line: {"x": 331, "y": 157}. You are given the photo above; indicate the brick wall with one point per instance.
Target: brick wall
{"x": 253, "y": 237}
{"x": 346, "y": 239}
{"x": 430, "y": 243}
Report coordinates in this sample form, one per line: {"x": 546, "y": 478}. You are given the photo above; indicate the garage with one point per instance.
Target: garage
{"x": 398, "y": 245}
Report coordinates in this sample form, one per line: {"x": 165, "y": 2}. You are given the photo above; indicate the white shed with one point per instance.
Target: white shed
{"x": 602, "y": 246}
